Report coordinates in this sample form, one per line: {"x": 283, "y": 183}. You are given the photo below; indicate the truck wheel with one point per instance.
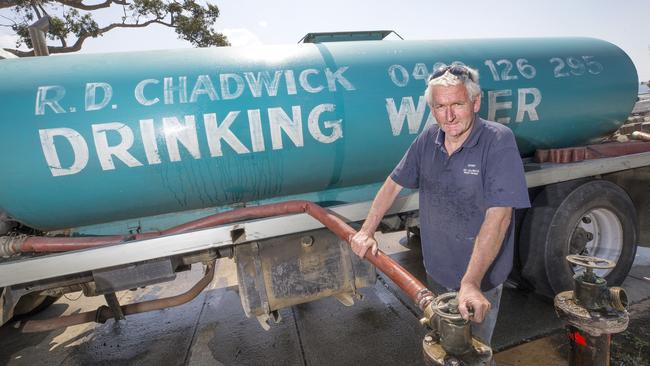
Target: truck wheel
{"x": 595, "y": 218}
{"x": 33, "y": 303}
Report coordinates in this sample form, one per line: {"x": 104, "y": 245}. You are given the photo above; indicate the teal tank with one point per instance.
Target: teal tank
{"x": 95, "y": 138}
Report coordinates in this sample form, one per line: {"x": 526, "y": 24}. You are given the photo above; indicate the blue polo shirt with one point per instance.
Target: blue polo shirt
{"x": 455, "y": 192}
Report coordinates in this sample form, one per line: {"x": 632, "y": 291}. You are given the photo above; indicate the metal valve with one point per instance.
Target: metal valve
{"x": 591, "y": 291}
{"x": 455, "y": 333}
{"x": 451, "y": 342}
{"x": 590, "y": 263}
{"x": 592, "y": 312}
{"x": 446, "y": 306}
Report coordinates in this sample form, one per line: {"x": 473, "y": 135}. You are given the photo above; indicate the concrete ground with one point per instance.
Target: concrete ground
{"x": 380, "y": 329}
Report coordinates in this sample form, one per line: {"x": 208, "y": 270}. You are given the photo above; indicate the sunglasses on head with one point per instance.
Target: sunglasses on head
{"x": 456, "y": 70}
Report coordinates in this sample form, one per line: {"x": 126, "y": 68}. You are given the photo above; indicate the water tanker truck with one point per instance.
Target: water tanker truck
{"x": 114, "y": 166}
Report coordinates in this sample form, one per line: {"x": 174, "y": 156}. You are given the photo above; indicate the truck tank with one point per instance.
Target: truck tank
{"x": 94, "y": 138}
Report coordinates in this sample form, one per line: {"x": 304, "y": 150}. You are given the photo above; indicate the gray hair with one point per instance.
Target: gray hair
{"x": 448, "y": 79}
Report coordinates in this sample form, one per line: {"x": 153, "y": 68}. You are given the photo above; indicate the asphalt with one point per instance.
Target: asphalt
{"x": 379, "y": 329}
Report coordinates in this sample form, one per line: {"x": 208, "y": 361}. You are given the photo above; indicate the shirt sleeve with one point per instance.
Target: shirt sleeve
{"x": 505, "y": 182}
{"x": 407, "y": 172}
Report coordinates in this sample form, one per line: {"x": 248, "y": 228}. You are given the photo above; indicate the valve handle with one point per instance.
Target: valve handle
{"x": 590, "y": 262}
{"x": 446, "y": 306}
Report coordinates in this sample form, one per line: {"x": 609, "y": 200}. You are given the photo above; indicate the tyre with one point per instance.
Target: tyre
{"x": 594, "y": 218}
{"x": 33, "y": 303}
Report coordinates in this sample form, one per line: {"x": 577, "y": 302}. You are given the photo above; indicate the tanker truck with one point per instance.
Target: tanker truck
{"x": 121, "y": 170}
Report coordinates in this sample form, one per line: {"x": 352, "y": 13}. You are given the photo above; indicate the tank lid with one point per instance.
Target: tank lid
{"x": 321, "y": 37}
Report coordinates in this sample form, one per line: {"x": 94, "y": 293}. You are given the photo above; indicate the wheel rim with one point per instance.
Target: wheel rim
{"x": 599, "y": 233}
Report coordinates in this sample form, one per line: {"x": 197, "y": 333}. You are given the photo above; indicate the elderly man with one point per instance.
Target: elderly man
{"x": 470, "y": 177}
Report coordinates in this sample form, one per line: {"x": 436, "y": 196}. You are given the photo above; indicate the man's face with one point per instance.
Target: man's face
{"x": 453, "y": 109}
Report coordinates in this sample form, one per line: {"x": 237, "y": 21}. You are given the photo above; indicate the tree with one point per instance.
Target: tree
{"x": 72, "y": 21}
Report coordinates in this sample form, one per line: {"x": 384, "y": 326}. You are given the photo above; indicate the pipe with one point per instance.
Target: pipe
{"x": 587, "y": 349}
{"x": 413, "y": 288}
{"x": 10, "y": 245}
{"x": 103, "y": 313}
{"x": 618, "y": 298}
{"x": 24, "y": 244}
{"x": 13, "y": 245}
{"x": 642, "y": 136}
{"x": 406, "y": 281}
{"x": 63, "y": 244}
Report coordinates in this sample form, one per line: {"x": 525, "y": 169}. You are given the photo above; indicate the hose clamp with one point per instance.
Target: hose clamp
{"x": 10, "y": 245}
{"x": 423, "y": 298}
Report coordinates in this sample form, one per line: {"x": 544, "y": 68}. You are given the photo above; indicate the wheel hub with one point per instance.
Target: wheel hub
{"x": 598, "y": 233}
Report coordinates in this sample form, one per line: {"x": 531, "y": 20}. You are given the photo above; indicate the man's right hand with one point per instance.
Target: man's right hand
{"x": 361, "y": 242}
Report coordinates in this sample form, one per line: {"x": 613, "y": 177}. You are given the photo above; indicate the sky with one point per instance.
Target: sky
{"x": 247, "y": 22}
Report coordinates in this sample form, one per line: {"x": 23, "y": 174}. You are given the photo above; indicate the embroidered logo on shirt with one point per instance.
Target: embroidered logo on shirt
{"x": 471, "y": 169}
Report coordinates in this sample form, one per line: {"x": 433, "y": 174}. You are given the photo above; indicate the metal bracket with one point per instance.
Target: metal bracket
{"x": 259, "y": 280}
{"x": 114, "y": 304}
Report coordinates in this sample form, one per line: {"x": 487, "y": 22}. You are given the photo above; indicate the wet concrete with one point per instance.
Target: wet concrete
{"x": 323, "y": 332}
{"x": 140, "y": 339}
{"x": 380, "y": 329}
{"x": 632, "y": 347}
{"x": 523, "y": 317}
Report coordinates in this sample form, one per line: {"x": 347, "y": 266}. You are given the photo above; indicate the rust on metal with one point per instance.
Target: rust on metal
{"x": 283, "y": 271}
{"x": 592, "y": 322}
{"x": 451, "y": 342}
{"x": 576, "y": 154}
{"x": 588, "y": 350}
{"x": 434, "y": 354}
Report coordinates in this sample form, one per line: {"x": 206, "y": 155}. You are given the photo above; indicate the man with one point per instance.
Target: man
{"x": 470, "y": 177}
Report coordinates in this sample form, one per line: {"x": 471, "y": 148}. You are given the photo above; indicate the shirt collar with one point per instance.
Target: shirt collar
{"x": 472, "y": 139}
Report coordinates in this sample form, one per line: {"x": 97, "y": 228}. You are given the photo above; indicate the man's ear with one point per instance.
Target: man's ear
{"x": 477, "y": 103}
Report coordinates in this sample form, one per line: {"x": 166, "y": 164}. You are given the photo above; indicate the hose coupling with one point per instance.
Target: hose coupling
{"x": 10, "y": 245}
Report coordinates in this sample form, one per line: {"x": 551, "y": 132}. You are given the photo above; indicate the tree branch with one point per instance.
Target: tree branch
{"x": 7, "y": 3}
{"x": 9, "y": 19}
{"x": 38, "y": 13}
{"x": 77, "y": 45}
{"x": 19, "y": 53}
{"x": 79, "y": 21}
{"x": 43, "y": 9}
{"x": 78, "y": 4}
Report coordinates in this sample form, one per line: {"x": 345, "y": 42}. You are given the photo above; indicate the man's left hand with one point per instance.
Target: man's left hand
{"x": 471, "y": 299}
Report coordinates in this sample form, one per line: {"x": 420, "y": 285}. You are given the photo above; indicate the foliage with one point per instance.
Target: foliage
{"x": 73, "y": 21}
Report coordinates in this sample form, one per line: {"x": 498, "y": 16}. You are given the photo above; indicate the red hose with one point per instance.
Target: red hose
{"x": 407, "y": 282}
